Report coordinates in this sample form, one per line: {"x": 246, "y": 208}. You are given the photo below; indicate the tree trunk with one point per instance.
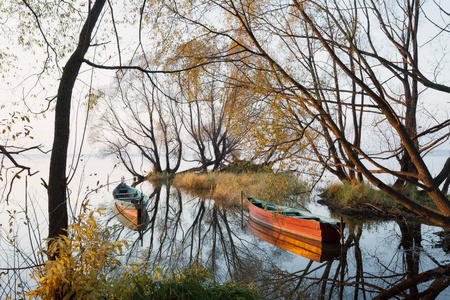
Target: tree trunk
{"x": 444, "y": 175}
{"x": 57, "y": 201}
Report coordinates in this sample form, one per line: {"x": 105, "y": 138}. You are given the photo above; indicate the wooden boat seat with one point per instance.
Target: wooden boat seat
{"x": 125, "y": 194}
{"x": 310, "y": 218}
{"x": 258, "y": 204}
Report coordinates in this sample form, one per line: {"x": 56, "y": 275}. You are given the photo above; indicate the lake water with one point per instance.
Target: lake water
{"x": 184, "y": 229}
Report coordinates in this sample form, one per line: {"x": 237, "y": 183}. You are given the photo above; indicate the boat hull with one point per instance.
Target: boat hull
{"x": 313, "y": 227}
{"x": 310, "y": 249}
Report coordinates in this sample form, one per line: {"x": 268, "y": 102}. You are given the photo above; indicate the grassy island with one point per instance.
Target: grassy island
{"x": 362, "y": 199}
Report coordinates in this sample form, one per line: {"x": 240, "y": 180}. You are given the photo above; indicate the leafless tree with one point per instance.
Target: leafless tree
{"x": 139, "y": 119}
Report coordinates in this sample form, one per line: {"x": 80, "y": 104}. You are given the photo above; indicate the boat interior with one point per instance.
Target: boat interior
{"x": 125, "y": 193}
{"x": 285, "y": 211}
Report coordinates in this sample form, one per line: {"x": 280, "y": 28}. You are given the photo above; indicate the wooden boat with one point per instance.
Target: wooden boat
{"x": 294, "y": 221}
{"x": 130, "y": 203}
{"x": 311, "y": 249}
{"x": 128, "y": 197}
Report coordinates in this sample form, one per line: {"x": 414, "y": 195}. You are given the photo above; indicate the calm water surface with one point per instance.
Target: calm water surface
{"x": 376, "y": 256}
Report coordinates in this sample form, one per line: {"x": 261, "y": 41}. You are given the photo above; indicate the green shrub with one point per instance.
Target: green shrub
{"x": 190, "y": 283}
{"x": 85, "y": 265}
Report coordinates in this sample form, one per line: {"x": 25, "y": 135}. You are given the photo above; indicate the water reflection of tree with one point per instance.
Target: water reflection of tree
{"x": 325, "y": 280}
{"x": 336, "y": 280}
{"x": 407, "y": 284}
{"x": 200, "y": 234}
{"x": 411, "y": 238}
{"x": 186, "y": 230}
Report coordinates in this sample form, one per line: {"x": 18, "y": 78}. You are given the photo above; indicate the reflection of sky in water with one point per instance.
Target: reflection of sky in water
{"x": 379, "y": 245}
{"x": 218, "y": 239}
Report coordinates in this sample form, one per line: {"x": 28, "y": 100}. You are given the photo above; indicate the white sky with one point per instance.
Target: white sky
{"x": 21, "y": 82}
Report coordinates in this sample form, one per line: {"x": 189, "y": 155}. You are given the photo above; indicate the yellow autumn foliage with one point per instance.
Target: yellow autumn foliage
{"x": 82, "y": 262}
{"x": 85, "y": 266}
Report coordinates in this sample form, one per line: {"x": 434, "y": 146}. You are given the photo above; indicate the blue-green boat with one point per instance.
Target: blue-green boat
{"x": 130, "y": 206}
{"x": 128, "y": 197}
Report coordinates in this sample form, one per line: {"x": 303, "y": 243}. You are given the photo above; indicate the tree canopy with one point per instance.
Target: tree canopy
{"x": 352, "y": 86}
{"x": 345, "y": 76}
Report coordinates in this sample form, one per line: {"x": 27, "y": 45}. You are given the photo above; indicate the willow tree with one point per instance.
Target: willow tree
{"x": 348, "y": 76}
{"x": 209, "y": 104}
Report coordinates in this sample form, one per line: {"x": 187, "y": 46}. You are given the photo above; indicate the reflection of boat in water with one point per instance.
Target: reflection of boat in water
{"x": 129, "y": 206}
{"x": 311, "y": 249}
{"x": 294, "y": 221}
{"x": 131, "y": 218}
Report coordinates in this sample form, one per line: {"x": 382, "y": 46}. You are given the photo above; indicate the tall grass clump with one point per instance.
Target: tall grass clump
{"x": 195, "y": 181}
{"x": 356, "y": 194}
{"x": 227, "y": 187}
{"x": 159, "y": 178}
{"x": 276, "y": 187}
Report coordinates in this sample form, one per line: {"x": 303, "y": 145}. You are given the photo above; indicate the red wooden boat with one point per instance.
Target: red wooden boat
{"x": 294, "y": 221}
{"x": 315, "y": 250}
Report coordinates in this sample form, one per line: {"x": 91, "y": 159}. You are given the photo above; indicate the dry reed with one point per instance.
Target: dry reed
{"x": 226, "y": 187}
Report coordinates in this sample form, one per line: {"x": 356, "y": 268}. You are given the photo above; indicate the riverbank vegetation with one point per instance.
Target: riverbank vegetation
{"x": 360, "y": 198}
{"x": 227, "y": 187}
{"x": 86, "y": 264}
